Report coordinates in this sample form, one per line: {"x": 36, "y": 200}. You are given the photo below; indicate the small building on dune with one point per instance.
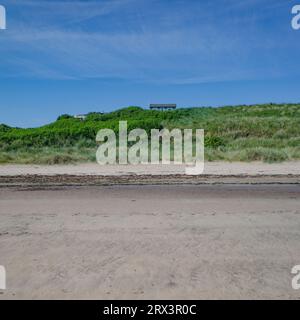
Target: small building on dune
{"x": 162, "y": 107}
{"x": 80, "y": 116}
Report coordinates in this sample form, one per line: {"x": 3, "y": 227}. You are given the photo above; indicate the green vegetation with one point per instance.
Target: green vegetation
{"x": 268, "y": 132}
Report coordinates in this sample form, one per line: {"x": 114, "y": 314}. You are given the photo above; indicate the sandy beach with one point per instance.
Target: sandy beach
{"x": 154, "y": 242}
{"x": 210, "y": 168}
{"x": 135, "y": 232}
{"x": 94, "y": 174}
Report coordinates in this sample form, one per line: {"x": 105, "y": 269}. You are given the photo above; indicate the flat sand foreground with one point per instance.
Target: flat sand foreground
{"x": 155, "y": 242}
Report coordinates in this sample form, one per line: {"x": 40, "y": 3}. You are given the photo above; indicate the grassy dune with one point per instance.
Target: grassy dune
{"x": 269, "y": 132}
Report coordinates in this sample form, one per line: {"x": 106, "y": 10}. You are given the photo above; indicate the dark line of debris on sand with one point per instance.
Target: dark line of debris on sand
{"x": 86, "y": 180}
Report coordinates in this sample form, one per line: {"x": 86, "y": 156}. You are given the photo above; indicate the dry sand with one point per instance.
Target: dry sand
{"x": 156, "y": 242}
{"x": 211, "y": 168}
{"x": 94, "y": 174}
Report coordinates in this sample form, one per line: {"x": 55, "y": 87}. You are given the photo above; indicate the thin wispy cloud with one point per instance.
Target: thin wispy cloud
{"x": 145, "y": 40}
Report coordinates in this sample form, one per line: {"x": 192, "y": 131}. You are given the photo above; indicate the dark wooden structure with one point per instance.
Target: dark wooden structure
{"x": 163, "y": 106}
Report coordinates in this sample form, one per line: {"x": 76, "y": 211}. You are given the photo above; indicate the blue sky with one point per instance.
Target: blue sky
{"x": 78, "y": 56}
